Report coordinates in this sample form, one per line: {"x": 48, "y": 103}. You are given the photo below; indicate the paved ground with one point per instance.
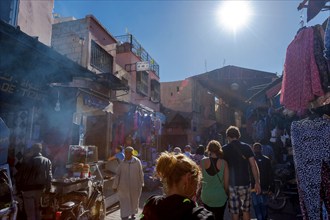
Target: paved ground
{"x": 114, "y": 211}
{"x": 288, "y": 213}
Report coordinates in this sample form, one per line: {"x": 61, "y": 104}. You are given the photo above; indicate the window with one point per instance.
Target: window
{"x": 142, "y": 78}
{"x": 155, "y": 91}
{"x": 101, "y": 59}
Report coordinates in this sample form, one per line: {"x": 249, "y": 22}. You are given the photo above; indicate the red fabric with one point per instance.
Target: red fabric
{"x": 301, "y": 78}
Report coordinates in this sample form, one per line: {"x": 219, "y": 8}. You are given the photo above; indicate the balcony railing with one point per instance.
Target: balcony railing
{"x": 136, "y": 48}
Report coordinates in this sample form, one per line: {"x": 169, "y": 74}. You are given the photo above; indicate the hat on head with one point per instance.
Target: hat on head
{"x": 129, "y": 149}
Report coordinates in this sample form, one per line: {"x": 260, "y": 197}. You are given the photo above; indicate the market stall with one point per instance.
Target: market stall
{"x": 306, "y": 91}
{"x": 83, "y": 167}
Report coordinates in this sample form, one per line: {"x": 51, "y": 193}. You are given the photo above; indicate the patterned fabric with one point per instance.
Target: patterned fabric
{"x": 325, "y": 194}
{"x": 327, "y": 41}
{"x": 325, "y": 186}
{"x": 301, "y": 78}
{"x": 311, "y": 146}
{"x": 319, "y": 57}
{"x": 239, "y": 199}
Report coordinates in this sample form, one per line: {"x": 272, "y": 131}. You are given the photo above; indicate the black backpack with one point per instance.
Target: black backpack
{"x": 200, "y": 213}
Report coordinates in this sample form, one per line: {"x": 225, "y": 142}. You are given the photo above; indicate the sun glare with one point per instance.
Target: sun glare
{"x": 234, "y": 14}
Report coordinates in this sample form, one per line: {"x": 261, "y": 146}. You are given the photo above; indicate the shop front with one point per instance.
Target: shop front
{"x": 137, "y": 126}
{"x": 38, "y": 99}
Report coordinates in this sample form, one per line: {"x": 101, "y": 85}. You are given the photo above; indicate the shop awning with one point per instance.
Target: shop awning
{"x": 26, "y": 61}
{"x": 271, "y": 90}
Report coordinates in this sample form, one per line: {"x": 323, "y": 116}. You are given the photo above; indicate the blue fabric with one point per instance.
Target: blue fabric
{"x": 311, "y": 146}
{"x": 260, "y": 205}
{"x": 120, "y": 156}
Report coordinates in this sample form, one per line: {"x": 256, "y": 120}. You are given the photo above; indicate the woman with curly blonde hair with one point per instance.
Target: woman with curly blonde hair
{"x": 181, "y": 178}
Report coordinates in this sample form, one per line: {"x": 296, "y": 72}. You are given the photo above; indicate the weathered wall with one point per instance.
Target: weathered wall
{"x": 70, "y": 39}
{"x": 35, "y": 19}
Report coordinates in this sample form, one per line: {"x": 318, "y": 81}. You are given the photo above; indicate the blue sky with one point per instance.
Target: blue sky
{"x": 186, "y": 39}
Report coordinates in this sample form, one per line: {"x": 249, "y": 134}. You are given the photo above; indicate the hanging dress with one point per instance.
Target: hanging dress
{"x": 301, "y": 78}
{"x": 311, "y": 147}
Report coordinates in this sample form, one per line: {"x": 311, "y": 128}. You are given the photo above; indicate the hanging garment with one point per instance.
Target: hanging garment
{"x": 136, "y": 120}
{"x": 327, "y": 41}
{"x": 301, "y": 78}
{"x": 325, "y": 193}
{"x": 325, "y": 186}
{"x": 310, "y": 142}
{"x": 319, "y": 57}
{"x": 314, "y": 7}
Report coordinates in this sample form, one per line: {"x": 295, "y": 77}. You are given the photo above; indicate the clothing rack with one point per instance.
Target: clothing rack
{"x": 313, "y": 7}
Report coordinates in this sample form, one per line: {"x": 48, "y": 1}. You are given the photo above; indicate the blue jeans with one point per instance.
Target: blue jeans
{"x": 260, "y": 205}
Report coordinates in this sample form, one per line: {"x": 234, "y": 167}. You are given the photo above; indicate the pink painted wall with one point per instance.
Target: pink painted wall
{"x": 129, "y": 58}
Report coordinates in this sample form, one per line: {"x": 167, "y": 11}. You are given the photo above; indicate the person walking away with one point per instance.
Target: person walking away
{"x": 32, "y": 179}
{"x": 215, "y": 180}
{"x": 128, "y": 182}
{"x": 240, "y": 157}
{"x": 266, "y": 182}
{"x": 180, "y": 177}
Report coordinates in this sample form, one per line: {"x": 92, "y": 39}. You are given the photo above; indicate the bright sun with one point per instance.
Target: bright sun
{"x": 234, "y": 14}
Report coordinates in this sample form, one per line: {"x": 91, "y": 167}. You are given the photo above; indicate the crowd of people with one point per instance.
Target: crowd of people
{"x": 200, "y": 185}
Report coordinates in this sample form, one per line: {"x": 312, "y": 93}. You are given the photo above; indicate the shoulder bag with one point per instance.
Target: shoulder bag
{"x": 216, "y": 169}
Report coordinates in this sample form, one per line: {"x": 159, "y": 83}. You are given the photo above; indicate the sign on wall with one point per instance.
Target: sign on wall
{"x": 142, "y": 66}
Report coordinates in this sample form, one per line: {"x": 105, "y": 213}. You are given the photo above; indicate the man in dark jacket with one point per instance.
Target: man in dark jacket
{"x": 32, "y": 179}
{"x": 266, "y": 182}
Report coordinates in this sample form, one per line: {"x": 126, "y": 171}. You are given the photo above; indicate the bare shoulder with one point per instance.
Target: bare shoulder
{"x": 206, "y": 162}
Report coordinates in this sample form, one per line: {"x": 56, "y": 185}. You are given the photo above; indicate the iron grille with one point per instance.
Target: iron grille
{"x": 142, "y": 83}
{"x": 139, "y": 51}
{"x": 100, "y": 58}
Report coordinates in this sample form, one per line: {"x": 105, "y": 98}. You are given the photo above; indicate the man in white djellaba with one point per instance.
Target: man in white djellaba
{"x": 128, "y": 183}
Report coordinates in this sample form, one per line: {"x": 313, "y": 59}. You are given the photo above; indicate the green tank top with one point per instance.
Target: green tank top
{"x": 213, "y": 192}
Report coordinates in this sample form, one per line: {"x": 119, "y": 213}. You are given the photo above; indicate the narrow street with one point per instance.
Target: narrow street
{"x": 113, "y": 213}
{"x": 288, "y": 213}
{"x": 92, "y": 92}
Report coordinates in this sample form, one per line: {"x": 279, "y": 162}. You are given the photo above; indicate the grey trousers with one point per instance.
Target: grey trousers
{"x": 31, "y": 200}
